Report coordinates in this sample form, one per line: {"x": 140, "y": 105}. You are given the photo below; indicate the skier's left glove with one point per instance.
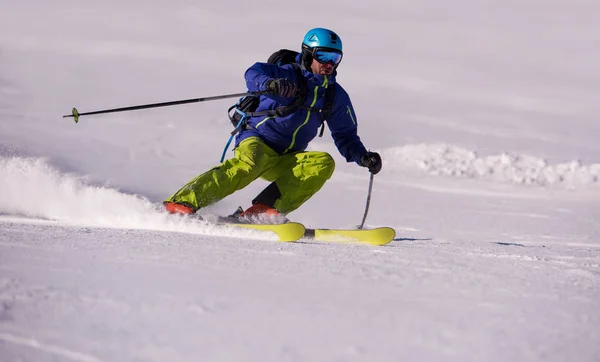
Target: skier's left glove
{"x": 372, "y": 161}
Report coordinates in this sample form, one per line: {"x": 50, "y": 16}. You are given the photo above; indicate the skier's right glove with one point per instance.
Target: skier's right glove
{"x": 282, "y": 87}
{"x": 372, "y": 161}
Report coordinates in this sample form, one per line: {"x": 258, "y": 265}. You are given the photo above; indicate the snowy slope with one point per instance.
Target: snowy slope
{"x": 485, "y": 114}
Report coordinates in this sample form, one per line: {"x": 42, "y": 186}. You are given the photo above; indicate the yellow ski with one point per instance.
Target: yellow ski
{"x": 377, "y": 236}
{"x": 288, "y": 232}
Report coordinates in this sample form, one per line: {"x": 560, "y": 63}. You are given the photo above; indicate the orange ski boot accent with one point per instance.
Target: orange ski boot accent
{"x": 260, "y": 209}
{"x": 175, "y": 208}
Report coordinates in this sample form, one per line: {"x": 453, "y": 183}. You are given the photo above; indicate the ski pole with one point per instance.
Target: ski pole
{"x": 368, "y": 202}
{"x": 76, "y": 114}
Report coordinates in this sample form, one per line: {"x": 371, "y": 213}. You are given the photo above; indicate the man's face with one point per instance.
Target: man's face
{"x": 321, "y": 68}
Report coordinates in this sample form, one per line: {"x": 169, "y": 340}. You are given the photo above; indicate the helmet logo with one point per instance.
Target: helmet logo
{"x": 332, "y": 37}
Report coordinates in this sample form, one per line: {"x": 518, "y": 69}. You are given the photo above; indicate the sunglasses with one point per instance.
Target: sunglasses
{"x": 327, "y": 56}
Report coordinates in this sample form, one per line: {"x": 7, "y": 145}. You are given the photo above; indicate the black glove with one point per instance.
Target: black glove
{"x": 372, "y": 161}
{"x": 281, "y": 87}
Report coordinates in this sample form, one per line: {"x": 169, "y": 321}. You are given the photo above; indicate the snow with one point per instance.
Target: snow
{"x": 485, "y": 114}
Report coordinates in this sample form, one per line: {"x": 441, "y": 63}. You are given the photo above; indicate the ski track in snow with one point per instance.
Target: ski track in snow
{"x": 53, "y": 350}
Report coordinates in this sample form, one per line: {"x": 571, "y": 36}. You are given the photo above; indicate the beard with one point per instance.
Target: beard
{"x": 325, "y": 69}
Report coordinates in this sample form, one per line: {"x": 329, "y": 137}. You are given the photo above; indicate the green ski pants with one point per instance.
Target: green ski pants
{"x": 294, "y": 177}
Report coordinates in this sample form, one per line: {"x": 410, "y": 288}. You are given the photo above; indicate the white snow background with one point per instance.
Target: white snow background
{"x": 486, "y": 114}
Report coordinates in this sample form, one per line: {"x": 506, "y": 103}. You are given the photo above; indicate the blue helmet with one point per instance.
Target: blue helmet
{"x": 320, "y": 39}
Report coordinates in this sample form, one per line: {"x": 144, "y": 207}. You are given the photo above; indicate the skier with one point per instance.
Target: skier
{"x": 273, "y": 147}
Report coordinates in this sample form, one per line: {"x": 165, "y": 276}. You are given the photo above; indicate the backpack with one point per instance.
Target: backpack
{"x": 246, "y": 106}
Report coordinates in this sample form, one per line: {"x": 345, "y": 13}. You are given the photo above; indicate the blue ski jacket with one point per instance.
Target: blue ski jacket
{"x": 292, "y": 133}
